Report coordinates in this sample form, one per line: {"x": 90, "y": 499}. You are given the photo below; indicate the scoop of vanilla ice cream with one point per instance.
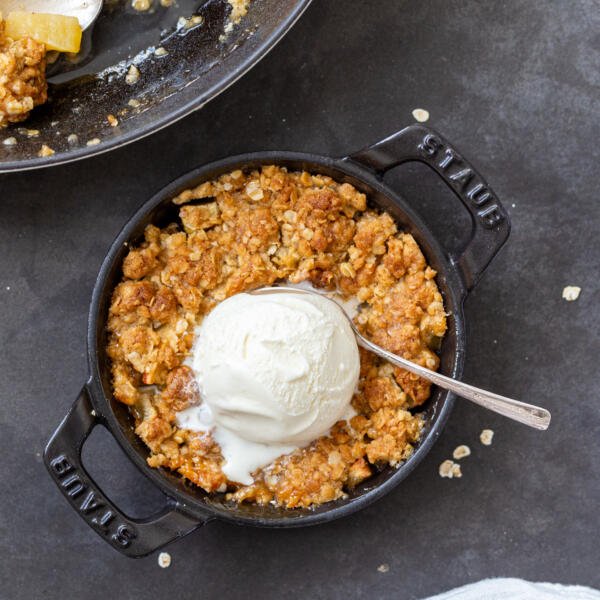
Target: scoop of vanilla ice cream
{"x": 276, "y": 368}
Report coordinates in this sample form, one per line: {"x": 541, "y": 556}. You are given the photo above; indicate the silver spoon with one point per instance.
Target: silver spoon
{"x": 86, "y": 11}
{"x": 531, "y": 415}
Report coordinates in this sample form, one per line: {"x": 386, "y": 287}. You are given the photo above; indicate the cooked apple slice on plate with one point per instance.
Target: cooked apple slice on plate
{"x": 56, "y": 32}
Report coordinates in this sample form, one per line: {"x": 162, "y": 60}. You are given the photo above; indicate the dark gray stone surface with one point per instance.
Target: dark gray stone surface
{"x": 515, "y": 85}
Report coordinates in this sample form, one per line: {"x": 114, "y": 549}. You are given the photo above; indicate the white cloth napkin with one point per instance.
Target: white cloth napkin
{"x": 517, "y": 589}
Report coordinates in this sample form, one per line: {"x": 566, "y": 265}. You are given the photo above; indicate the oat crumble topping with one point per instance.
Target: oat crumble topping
{"x": 22, "y": 77}
{"x": 249, "y": 229}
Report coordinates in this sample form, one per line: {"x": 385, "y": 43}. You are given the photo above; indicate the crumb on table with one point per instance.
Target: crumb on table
{"x": 420, "y": 115}
{"x": 571, "y": 293}
{"x": 461, "y": 451}
{"x": 164, "y": 560}
{"x": 450, "y": 469}
{"x": 486, "y": 436}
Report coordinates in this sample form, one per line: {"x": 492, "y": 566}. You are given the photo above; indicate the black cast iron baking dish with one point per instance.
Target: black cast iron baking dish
{"x": 198, "y": 66}
{"x": 186, "y": 506}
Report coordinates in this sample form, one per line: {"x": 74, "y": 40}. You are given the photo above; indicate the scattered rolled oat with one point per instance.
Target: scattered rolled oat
{"x": 254, "y": 191}
{"x": 45, "y": 151}
{"x": 383, "y": 568}
{"x": 133, "y": 75}
{"x": 571, "y": 293}
{"x": 164, "y": 560}
{"x": 32, "y": 132}
{"x": 160, "y": 51}
{"x": 93, "y": 142}
{"x": 347, "y": 270}
{"x": 420, "y": 115}
{"x": 450, "y": 469}
{"x": 134, "y": 103}
{"x": 486, "y": 436}
{"x": 291, "y": 216}
{"x": 10, "y": 141}
{"x": 461, "y": 452}
{"x": 166, "y": 3}
{"x": 445, "y": 469}
{"x": 112, "y": 120}
{"x": 73, "y": 139}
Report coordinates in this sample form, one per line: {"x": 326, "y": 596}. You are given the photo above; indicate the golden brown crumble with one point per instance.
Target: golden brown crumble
{"x": 45, "y": 150}
{"x": 239, "y": 8}
{"x": 22, "y": 77}
{"x": 245, "y": 230}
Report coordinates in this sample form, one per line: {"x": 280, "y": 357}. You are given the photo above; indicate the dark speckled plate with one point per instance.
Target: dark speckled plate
{"x": 199, "y": 64}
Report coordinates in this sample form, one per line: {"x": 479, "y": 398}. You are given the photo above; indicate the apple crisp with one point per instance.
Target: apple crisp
{"x": 245, "y": 230}
{"x": 22, "y": 77}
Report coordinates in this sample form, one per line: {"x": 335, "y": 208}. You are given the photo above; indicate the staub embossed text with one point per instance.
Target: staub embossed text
{"x": 90, "y": 503}
{"x": 463, "y": 179}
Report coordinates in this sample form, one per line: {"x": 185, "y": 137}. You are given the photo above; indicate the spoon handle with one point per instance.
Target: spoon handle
{"x": 531, "y": 415}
